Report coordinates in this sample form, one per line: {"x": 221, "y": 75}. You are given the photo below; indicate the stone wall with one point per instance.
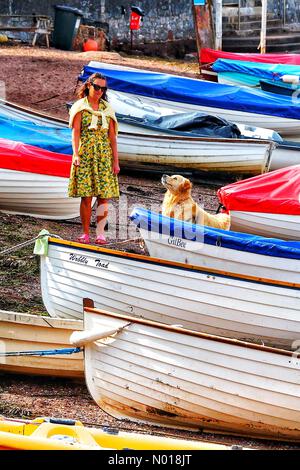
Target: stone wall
{"x": 161, "y": 16}
{"x": 292, "y": 15}
{"x": 167, "y": 27}
{"x": 162, "y": 19}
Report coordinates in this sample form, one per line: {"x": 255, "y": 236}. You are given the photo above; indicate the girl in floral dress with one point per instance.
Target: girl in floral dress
{"x": 95, "y": 163}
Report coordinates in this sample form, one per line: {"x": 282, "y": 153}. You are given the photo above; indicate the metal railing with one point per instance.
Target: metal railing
{"x": 240, "y": 3}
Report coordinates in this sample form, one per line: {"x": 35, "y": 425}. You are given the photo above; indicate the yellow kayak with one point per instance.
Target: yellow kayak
{"x": 60, "y": 434}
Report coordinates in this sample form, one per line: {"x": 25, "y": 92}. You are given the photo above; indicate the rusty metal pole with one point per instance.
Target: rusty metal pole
{"x": 219, "y": 18}
{"x": 263, "y": 34}
{"x": 202, "y": 13}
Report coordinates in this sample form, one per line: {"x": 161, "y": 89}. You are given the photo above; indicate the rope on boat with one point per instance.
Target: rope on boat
{"x": 47, "y": 352}
{"x": 69, "y": 90}
{"x": 26, "y": 243}
{"x": 32, "y": 240}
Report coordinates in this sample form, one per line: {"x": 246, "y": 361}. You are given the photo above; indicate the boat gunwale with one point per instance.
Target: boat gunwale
{"x": 44, "y": 321}
{"x": 175, "y": 264}
{"x": 10, "y": 104}
{"x": 89, "y": 308}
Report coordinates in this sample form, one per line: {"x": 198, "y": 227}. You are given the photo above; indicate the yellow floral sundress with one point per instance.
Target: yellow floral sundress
{"x": 94, "y": 175}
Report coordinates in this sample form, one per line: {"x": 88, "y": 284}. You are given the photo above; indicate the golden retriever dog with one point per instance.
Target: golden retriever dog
{"x": 178, "y": 203}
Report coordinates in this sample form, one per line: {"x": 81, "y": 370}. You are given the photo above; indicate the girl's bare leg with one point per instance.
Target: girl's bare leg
{"x": 101, "y": 214}
{"x": 86, "y": 213}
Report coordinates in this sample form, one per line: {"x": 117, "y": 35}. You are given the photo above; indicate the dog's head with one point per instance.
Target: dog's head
{"x": 176, "y": 184}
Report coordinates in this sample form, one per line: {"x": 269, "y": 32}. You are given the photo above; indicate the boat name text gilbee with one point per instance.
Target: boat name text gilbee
{"x": 177, "y": 242}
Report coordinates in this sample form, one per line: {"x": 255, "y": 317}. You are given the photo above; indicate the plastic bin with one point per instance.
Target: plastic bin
{"x": 66, "y": 24}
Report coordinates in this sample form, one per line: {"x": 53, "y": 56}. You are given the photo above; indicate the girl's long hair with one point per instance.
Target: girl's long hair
{"x": 83, "y": 90}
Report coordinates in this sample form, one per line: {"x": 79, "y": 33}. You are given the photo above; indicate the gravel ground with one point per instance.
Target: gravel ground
{"x": 31, "y": 75}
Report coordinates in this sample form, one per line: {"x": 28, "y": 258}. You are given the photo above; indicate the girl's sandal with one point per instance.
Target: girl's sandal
{"x": 100, "y": 240}
{"x": 85, "y": 238}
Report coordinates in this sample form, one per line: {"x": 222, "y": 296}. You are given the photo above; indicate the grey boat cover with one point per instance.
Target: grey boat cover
{"x": 196, "y": 123}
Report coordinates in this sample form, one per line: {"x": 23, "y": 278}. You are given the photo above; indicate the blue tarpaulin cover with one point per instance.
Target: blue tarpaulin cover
{"x": 154, "y": 222}
{"x": 54, "y": 139}
{"x": 192, "y": 91}
{"x": 261, "y": 70}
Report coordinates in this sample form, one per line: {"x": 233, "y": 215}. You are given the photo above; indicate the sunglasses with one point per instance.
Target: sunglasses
{"x": 99, "y": 87}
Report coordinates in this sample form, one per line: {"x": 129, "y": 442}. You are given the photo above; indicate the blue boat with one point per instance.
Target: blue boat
{"x": 237, "y": 104}
{"x": 160, "y": 224}
{"x": 229, "y": 251}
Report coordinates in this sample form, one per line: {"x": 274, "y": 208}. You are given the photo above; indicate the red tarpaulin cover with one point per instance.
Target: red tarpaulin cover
{"x": 208, "y": 56}
{"x": 277, "y": 192}
{"x": 21, "y": 157}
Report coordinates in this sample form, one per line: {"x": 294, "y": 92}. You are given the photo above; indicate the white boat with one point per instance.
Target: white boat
{"x": 284, "y": 125}
{"x": 283, "y": 153}
{"x": 198, "y": 298}
{"x": 154, "y": 373}
{"x": 266, "y": 225}
{"x": 198, "y": 153}
{"x": 142, "y": 145}
{"x": 34, "y": 181}
{"x": 218, "y": 249}
{"x": 126, "y": 106}
{"x": 20, "y": 332}
{"x": 37, "y": 195}
{"x": 212, "y": 154}
{"x": 266, "y": 205}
